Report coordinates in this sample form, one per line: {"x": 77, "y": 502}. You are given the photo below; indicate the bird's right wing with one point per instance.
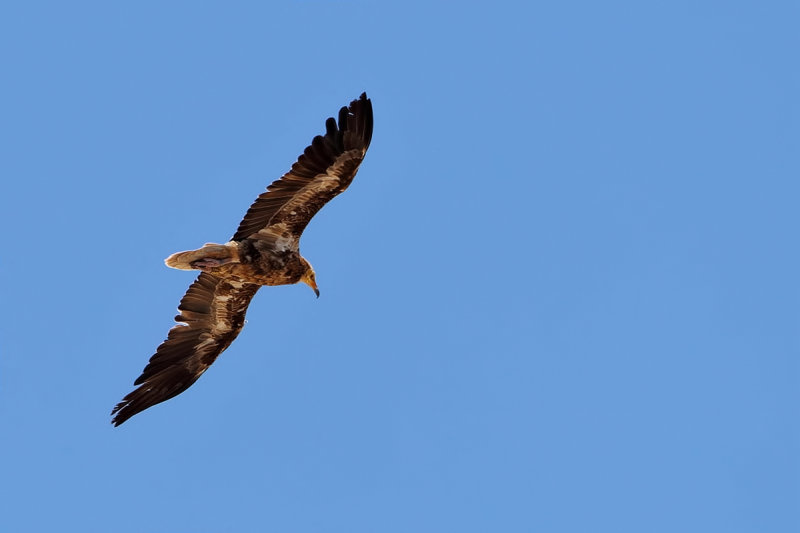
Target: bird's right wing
{"x": 326, "y": 168}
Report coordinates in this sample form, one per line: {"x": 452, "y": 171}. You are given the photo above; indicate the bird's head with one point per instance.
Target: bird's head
{"x": 309, "y": 277}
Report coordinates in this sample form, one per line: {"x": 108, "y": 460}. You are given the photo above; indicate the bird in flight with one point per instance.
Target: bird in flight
{"x": 265, "y": 250}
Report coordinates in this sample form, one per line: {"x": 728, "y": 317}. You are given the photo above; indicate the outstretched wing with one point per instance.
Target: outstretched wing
{"x": 211, "y": 316}
{"x": 326, "y": 168}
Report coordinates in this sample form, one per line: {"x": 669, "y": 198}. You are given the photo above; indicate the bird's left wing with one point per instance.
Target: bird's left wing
{"x": 211, "y": 316}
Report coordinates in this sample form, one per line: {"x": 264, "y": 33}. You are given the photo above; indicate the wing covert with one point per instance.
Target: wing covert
{"x": 211, "y": 316}
{"x": 326, "y": 168}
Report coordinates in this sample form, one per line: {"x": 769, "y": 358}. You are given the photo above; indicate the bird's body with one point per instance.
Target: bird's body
{"x": 248, "y": 261}
{"x": 263, "y": 251}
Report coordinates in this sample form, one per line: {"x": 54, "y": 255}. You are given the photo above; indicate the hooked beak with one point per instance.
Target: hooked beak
{"x": 313, "y": 286}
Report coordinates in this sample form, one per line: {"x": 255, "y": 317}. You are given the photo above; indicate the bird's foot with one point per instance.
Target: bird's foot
{"x": 207, "y": 263}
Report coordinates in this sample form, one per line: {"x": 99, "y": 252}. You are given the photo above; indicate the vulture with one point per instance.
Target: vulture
{"x": 265, "y": 250}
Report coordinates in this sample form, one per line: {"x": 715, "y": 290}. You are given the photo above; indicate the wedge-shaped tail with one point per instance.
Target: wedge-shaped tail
{"x": 210, "y": 255}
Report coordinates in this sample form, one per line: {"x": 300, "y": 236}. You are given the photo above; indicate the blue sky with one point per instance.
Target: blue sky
{"x": 561, "y": 295}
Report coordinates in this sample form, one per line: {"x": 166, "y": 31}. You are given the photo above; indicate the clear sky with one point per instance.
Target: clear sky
{"x": 560, "y": 296}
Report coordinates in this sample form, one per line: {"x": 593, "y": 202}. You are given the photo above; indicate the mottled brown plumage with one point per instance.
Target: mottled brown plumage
{"x": 263, "y": 251}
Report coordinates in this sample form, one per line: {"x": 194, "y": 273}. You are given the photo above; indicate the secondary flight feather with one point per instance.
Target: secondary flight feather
{"x": 265, "y": 250}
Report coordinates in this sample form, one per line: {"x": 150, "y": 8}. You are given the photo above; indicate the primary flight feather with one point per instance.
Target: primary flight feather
{"x": 264, "y": 250}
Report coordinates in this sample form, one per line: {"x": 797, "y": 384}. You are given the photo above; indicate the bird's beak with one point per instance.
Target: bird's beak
{"x": 313, "y": 285}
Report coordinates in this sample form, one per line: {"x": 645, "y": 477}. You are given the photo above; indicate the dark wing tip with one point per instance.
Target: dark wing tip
{"x": 162, "y": 387}
{"x": 357, "y": 119}
{"x": 352, "y": 131}
{"x": 186, "y": 353}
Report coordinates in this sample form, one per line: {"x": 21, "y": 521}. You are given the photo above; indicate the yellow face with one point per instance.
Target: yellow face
{"x": 310, "y": 279}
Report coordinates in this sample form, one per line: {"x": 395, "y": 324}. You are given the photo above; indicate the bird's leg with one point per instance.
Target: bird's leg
{"x": 208, "y": 263}
{"x": 205, "y": 264}
{"x": 206, "y": 258}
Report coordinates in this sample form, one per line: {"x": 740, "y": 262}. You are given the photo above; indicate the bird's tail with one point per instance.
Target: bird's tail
{"x": 209, "y": 256}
